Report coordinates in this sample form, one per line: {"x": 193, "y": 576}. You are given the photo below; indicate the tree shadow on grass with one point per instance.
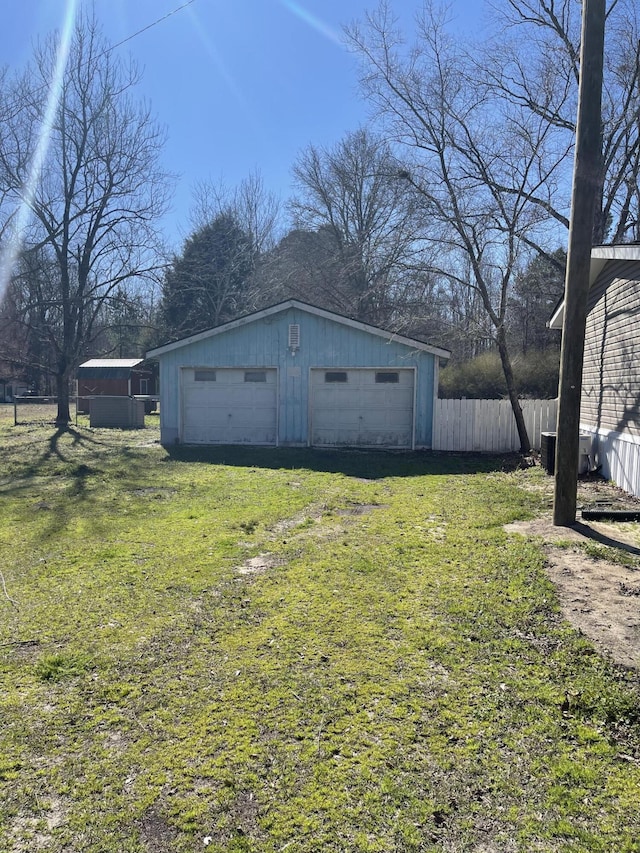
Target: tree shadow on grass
{"x": 368, "y": 465}
{"x": 57, "y": 474}
{"x": 68, "y": 453}
{"x": 53, "y": 450}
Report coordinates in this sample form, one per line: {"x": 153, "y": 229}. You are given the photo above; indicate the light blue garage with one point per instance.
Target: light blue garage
{"x": 298, "y": 375}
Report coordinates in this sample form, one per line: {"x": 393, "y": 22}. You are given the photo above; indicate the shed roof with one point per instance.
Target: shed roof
{"x": 309, "y": 309}
{"x": 600, "y": 256}
{"x": 108, "y": 368}
{"x": 112, "y": 362}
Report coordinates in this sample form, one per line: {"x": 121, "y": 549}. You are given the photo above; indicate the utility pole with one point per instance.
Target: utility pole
{"x": 586, "y": 183}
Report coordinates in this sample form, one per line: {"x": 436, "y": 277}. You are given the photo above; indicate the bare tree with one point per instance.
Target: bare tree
{"x": 471, "y": 167}
{"x": 352, "y": 197}
{"x": 536, "y": 292}
{"x": 30, "y": 320}
{"x": 488, "y": 132}
{"x": 93, "y": 207}
{"x": 532, "y": 64}
{"x": 257, "y": 213}
{"x": 256, "y": 210}
{"x": 303, "y": 266}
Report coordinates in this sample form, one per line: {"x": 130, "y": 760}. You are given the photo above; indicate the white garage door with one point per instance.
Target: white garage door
{"x": 229, "y": 406}
{"x": 362, "y": 407}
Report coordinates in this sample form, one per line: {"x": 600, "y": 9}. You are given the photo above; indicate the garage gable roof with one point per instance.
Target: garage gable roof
{"x": 600, "y": 256}
{"x": 309, "y": 309}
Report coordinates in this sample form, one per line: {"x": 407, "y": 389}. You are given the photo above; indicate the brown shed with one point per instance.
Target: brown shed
{"x": 116, "y": 377}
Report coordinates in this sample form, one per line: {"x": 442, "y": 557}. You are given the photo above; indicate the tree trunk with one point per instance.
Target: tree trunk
{"x": 525, "y": 446}
{"x": 93, "y": 210}
{"x": 62, "y": 392}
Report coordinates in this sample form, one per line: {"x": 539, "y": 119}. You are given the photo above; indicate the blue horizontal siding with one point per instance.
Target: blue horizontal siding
{"x": 323, "y": 343}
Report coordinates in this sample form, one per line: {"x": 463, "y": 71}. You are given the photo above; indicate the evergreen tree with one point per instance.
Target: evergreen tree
{"x": 210, "y": 282}
{"x": 535, "y": 294}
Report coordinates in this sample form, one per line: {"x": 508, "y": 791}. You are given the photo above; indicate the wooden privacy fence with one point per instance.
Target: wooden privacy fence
{"x": 488, "y": 426}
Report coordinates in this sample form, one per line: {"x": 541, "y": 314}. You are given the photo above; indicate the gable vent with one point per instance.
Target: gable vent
{"x": 294, "y": 336}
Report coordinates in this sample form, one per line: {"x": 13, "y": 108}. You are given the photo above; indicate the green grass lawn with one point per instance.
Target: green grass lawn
{"x": 245, "y": 650}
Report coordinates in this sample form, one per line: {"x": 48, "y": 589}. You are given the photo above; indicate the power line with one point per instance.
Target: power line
{"x": 45, "y": 86}
{"x": 151, "y": 25}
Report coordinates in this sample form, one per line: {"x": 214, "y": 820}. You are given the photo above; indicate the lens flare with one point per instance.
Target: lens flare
{"x": 20, "y": 216}
{"x": 313, "y": 22}
{"x": 217, "y": 59}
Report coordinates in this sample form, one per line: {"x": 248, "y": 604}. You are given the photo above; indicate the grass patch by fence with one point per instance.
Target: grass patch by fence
{"x": 264, "y": 650}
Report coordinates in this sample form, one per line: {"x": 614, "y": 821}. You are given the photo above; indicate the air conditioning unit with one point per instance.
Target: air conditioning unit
{"x": 548, "y": 452}
{"x": 585, "y": 453}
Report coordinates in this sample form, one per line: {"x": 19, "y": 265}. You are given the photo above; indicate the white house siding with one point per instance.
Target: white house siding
{"x": 610, "y": 405}
{"x": 618, "y": 454}
{"x": 263, "y": 343}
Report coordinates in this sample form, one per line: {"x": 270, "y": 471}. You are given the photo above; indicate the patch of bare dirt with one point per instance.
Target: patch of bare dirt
{"x": 258, "y": 564}
{"x": 599, "y": 596}
{"x": 312, "y": 513}
{"x": 302, "y": 526}
{"x": 155, "y": 833}
{"x": 360, "y": 509}
{"x": 31, "y": 834}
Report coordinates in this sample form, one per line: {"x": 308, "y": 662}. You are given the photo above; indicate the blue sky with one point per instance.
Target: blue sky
{"x": 240, "y": 85}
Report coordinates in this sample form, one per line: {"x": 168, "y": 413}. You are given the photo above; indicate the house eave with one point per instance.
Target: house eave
{"x": 600, "y": 255}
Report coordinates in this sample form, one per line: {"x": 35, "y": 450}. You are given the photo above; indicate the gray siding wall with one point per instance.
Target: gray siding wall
{"x": 323, "y": 343}
{"x": 611, "y": 375}
{"x": 121, "y": 412}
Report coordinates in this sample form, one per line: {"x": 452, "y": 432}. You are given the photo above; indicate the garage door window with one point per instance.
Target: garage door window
{"x": 204, "y": 375}
{"x": 255, "y": 376}
{"x": 335, "y": 376}
{"x": 383, "y": 376}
